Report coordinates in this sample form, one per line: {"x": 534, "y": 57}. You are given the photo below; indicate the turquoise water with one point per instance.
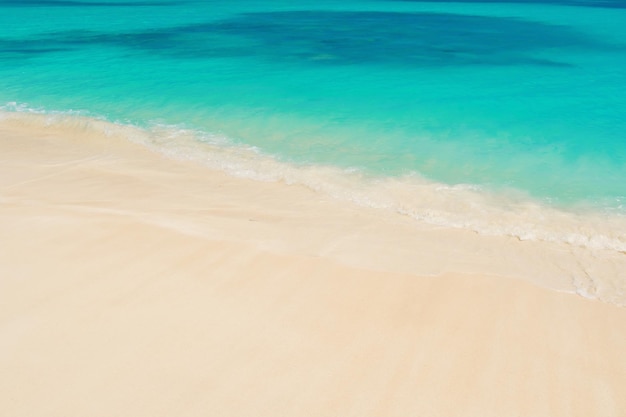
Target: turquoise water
{"x": 449, "y": 112}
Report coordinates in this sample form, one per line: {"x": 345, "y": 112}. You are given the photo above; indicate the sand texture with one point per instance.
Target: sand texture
{"x": 134, "y": 285}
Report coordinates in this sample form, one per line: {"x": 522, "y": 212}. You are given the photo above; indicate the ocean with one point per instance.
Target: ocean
{"x": 503, "y": 117}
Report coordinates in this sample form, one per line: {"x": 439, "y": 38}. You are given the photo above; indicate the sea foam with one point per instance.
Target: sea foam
{"x": 467, "y": 206}
{"x": 593, "y": 242}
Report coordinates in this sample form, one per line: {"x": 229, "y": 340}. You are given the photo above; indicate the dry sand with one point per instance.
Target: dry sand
{"x": 134, "y": 285}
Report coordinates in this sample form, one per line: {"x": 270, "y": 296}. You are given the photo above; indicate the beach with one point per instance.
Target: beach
{"x": 135, "y": 284}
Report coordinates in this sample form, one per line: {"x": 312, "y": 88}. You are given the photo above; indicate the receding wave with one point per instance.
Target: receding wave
{"x": 457, "y": 206}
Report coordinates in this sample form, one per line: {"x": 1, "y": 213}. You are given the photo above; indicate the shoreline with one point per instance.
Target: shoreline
{"x": 139, "y": 285}
{"x": 595, "y": 225}
{"x": 380, "y": 238}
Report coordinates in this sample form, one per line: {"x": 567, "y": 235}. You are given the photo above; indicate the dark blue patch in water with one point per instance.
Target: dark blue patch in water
{"x": 86, "y": 3}
{"x": 347, "y": 38}
{"x": 610, "y": 4}
{"x": 422, "y": 39}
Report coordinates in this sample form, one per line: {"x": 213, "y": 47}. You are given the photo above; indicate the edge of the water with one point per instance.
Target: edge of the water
{"x": 464, "y": 206}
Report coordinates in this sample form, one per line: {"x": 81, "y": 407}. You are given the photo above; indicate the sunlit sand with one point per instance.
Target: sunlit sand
{"x": 134, "y": 285}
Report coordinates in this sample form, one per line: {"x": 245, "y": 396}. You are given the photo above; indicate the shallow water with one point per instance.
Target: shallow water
{"x": 503, "y": 117}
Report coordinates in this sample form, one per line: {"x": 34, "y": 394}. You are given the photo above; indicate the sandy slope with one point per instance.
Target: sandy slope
{"x": 131, "y": 285}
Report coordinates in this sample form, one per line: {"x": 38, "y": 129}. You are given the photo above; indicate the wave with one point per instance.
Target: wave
{"x": 466, "y": 206}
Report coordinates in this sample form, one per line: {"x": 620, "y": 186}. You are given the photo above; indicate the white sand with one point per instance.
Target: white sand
{"x": 132, "y": 285}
